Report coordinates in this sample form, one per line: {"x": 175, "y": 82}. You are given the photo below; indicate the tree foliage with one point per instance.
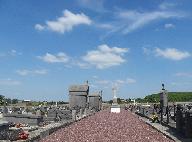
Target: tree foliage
{"x": 172, "y": 97}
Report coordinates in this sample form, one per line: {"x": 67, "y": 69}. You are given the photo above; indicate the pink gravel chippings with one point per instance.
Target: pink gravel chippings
{"x": 108, "y": 127}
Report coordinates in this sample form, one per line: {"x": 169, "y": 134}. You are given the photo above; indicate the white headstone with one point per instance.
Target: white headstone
{"x": 115, "y": 108}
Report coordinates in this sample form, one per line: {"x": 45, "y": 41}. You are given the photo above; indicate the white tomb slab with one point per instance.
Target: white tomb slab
{"x": 115, "y": 109}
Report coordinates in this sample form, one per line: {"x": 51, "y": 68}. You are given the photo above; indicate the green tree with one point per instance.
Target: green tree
{"x": 14, "y": 101}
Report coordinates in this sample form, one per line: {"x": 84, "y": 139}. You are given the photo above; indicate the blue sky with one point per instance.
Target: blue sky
{"x": 134, "y": 45}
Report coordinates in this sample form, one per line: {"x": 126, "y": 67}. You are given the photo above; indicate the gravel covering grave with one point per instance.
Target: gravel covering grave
{"x": 108, "y": 127}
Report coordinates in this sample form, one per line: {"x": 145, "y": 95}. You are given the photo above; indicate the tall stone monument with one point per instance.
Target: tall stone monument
{"x": 164, "y": 103}
{"x": 115, "y": 107}
{"x": 78, "y": 96}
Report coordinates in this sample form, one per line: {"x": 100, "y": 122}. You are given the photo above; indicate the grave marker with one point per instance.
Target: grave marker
{"x": 115, "y": 108}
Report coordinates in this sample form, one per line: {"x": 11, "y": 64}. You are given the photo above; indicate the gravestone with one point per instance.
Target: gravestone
{"x": 115, "y": 107}
{"x": 38, "y": 112}
{"x": 188, "y": 124}
{"x": 74, "y": 115}
{"x": 164, "y": 104}
{"x": 5, "y": 110}
{"x": 179, "y": 120}
{"x": 163, "y": 97}
{"x": 81, "y": 113}
{"x": 85, "y": 112}
{"x": 4, "y": 128}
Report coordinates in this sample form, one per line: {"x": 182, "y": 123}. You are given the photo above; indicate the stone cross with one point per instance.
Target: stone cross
{"x": 114, "y": 92}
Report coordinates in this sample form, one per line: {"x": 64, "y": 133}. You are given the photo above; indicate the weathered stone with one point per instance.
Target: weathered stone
{"x": 78, "y": 96}
{"x": 24, "y": 118}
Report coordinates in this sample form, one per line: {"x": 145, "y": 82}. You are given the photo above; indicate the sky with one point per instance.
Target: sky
{"x": 132, "y": 45}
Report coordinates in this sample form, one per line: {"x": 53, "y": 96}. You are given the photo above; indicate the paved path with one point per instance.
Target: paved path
{"x": 108, "y": 127}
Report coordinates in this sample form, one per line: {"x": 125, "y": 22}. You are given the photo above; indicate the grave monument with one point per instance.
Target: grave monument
{"x": 115, "y": 107}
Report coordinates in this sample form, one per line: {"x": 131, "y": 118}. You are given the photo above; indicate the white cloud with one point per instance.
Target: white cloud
{"x": 82, "y": 65}
{"x": 130, "y": 80}
{"x": 120, "y": 81}
{"x": 169, "y": 26}
{"x": 183, "y": 74}
{"x": 104, "y": 26}
{"x": 105, "y": 56}
{"x": 58, "y": 58}
{"x": 95, "y": 5}
{"x": 12, "y": 52}
{"x": 103, "y": 82}
{"x": 39, "y": 27}
{"x": 146, "y": 51}
{"x": 33, "y": 72}
{"x": 171, "y": 53}
{"x": 166, "y": 5}
{"x": 9, "y": 82}
{"x": 65, "y": 22}
{"x": 134, "y": 19}
{"x": 126, "y": 81}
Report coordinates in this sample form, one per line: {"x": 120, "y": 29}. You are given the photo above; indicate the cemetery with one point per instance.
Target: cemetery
{"x": 34, "y": 123}
{"x": 87, "y": 114}
{"x": 96, "y": 71}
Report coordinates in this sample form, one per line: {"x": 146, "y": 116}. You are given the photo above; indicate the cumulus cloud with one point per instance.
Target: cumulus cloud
{"x": 58, "y": 58}
{"x": 183, "y": 74}
{"x": 25, "y": 72}
{"x": 168, "y": 53}
{"x": 172, "y": 53}
{"x": 65, "y": 23}
{"x": 39, "y": 27}
{"x": 169, "y": 26}
{"x": 134, "y": 19}
{"x": 9, "y": 82}
{"x": 105, "y": 56}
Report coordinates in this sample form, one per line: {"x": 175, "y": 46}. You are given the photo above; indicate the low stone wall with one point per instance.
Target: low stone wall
{"x": 23, "y": 118}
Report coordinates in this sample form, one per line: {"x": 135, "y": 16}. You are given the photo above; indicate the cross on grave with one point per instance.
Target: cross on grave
{"x": 114, "y": 89}
{"x": 115, "y": 108}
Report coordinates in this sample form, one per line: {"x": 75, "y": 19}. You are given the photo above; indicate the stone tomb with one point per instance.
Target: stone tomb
{"x": 23, "y": 118}
{"x": 56, "y": 114}
{"x": 95, "y": 101}
{"x": 78, "y": 96}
